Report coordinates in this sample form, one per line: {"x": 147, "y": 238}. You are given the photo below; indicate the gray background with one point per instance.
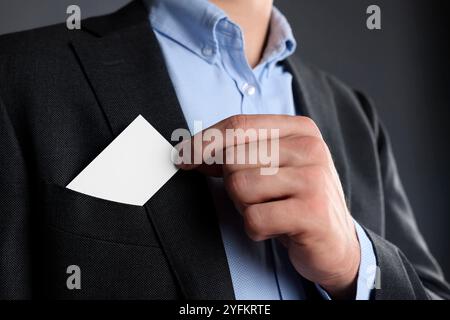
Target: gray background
{"x": 404, "y": 68}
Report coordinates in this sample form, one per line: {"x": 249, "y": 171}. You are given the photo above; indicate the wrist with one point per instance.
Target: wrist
{"x": 343, "y": 286}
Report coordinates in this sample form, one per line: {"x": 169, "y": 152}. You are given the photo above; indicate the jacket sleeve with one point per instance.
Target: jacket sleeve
{"x": 15, "y": 242}
{"x": 407, "y": 270}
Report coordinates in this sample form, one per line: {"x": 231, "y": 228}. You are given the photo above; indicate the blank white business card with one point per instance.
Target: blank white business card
{"x": 131, "y": 169}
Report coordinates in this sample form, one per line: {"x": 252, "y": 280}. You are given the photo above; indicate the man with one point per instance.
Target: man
{"x": 332, "y": 223}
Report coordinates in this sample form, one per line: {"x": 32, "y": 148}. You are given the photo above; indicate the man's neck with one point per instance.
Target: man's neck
{"x": 253, "y": 16}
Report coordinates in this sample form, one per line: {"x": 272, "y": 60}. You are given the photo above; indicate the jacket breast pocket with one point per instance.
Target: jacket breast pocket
{"x": 73, "y": 212}
{"x": 113, "y": 245}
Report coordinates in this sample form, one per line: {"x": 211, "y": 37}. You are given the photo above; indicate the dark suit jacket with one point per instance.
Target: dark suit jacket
{"x": 65, "y": 95}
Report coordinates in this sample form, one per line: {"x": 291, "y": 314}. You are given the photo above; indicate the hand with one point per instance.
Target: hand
{"x": 302, "y": 205}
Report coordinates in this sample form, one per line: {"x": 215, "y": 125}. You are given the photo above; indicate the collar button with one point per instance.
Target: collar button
{"x": 207, "y": 51}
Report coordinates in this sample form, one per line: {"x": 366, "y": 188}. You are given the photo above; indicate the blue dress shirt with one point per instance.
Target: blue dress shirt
{"x": 204, "y": 53}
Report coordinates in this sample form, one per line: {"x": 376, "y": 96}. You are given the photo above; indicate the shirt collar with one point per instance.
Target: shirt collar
{"x": 193, "y": 24}
{"x": 281, "y": 42}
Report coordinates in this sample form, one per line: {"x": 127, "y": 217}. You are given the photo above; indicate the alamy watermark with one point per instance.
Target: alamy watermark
{"x": 231, "y": 146}
{"x": 373, "y": 277}
{"x": 73, "y": 281}
{"x": 73, "y": 21}
{"x": 374, "y": 20}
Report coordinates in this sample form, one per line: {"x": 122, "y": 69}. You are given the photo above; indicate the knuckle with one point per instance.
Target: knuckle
{"x": 296, "y": 142}
{"x": 253, "y": 224}
{"x": 237, "y": 182}
{"x": 311, "y": 125}
{"x": 238, "y": 121}
{"x": 316, "y": 148}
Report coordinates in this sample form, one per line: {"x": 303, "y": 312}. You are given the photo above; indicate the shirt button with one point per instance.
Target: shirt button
{"x": 249, "y": 89}
{"x": 207, "y": 51}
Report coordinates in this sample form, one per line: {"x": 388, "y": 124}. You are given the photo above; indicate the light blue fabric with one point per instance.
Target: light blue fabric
{"x": 204, "y": 53}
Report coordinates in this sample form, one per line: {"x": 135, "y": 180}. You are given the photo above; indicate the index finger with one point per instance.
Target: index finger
{"x": 243, "y": 129}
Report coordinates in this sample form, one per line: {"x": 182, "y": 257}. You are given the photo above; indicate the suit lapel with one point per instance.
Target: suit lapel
{"x": 127, "y": 73}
